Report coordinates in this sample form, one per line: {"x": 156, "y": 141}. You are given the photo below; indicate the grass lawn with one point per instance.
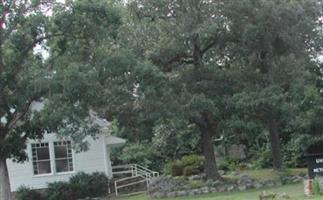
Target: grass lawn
{"x": 268, "y": 174}
{"x": 294, "y": 191}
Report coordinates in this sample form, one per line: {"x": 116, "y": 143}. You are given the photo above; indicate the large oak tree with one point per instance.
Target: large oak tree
{"x": 183, "y": 39}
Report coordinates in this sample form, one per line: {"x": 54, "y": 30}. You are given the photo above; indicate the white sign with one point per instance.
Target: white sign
{"x": 317, "y": 170}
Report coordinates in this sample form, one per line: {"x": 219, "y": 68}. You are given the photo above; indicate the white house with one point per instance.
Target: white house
{"x": 52, "y": 159}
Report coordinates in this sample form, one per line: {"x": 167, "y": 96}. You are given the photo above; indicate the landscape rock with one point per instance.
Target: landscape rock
{"x": 222, "y": 188}
{"x": 230, "y": 188}
{"x": 283, "y": 196}
{"x": 195, "y": 177}
{"x": 258, "y": 185}
{"x": 221, "y": 172}
{"x": 267, "y": 196}
{"x": 242, "y": 188}
{"x": 171, "y": 194}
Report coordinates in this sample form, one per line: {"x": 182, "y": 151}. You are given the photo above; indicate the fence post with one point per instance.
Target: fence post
{"x": 116, "y": 188}
{"x": 136, "y": 170}
{"x": 147, "y": 180}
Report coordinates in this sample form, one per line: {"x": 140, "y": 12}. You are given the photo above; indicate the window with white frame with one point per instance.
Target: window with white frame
{"x": 47, "y": 156}
{"x": 63, "y": 156}
{"x": 41, "y": 158}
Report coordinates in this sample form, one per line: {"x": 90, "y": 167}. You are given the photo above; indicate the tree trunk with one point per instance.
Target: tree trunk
{"x": 275, "y": 145}
{"x": 5, "y": 192}
{"x": 211, "y": 169}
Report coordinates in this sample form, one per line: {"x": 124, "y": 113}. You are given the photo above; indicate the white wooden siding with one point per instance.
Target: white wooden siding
{"x": 95, "y": 159}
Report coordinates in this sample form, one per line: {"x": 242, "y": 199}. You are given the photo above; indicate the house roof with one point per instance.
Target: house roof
{"x": 114, "y": 141}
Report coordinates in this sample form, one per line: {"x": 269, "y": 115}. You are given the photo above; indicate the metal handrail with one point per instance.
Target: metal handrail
{"x": 127, "y": 184}
{"x": 121, "y": 166}
{"x": 136, "y": 171}
{"x": 146, "y": 169}
{"x": 132, "y": 168}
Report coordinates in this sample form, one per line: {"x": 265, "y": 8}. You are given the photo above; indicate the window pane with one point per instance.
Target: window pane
{"x": 60, "y": 152}
{"x": 43, "y": 153}
{"x": 62, "y": 165}
{"x": 41, "y": 158}
{"x": 44, "y": 167}
{"x": 63, "y": 156}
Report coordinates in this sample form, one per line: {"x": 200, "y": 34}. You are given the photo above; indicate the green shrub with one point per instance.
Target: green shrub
{"x": 193, "y": 160}
{"x": 295, "y": 148}
{"x": 90, "y": 185}
{"x": 243, "y": 166}
{"x": 187, "y": 166}
{"x": 138, "y": 153}
{"x": 231, "y": 164}
{"x": 262, "y": 157}
{"x": 190, "y": 170}
{"x": 26, "y": 193}
{"x": 316, "y": 187}
{"x": 61, "y": 191}
{"x": 81, "y": 185}
{"x": 175, "y": 168}
{"x": 196, "y": 184}
{"x": 223, "y": 165}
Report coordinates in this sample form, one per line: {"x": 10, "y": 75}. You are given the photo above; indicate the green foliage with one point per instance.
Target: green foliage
{"x": 190, "y": 170}
{"x": 90, "y": 185}
{"x": 196, "y": 184}
{"x": 230, "y": 164}
{"x": 193, "y": 160}
{"x": 187, "y": 166}
{"x": 173, "y": 72}
{"x": 142, "y": 153}
{"x": 61, "y": 191}
{"x": 184, "y": 46}
{"x": 275, "y": 60}
{"x": 295, "y": 149}
{"x": 317, "y": 187}
{"x": 176, "y": 138}
{"x": 26, "y": 193}
{"x": 175, "y": 168}
{"x": 81, "y": 185}
{"x": 230, "y": 65}
{"x": 60, "y": 80}
{"x": 262, "y": 157}
{"x": 223, "y": 165}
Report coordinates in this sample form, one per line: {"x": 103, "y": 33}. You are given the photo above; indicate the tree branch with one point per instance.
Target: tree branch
{"x": 181, "y": 58}
{"x": 20, "y": 114}
{"x": 209, "y": 46}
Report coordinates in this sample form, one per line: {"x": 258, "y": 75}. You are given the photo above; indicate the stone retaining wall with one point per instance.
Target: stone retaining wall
{"x": 169, "y": 187}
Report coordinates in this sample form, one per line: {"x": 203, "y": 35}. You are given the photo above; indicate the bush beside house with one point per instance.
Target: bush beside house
{"x": 79, "y": 186}
{"x": 27, "y": 193}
